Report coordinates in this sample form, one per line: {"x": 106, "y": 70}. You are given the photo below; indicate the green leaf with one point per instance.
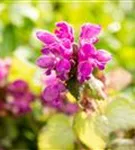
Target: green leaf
{"x": 8, "y": 42}
{"x": 119, "y": 114}
{"x": 85, "y": 129}
{"x": 95, "y": 130}
{"x": 57, "y": 134}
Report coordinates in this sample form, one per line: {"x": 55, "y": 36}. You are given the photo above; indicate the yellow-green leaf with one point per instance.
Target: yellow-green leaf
{"x": 84, "y": 126}
{"x": 24, "y": 70}
{"x": 119, "y": 114}
{"x": 57, "y": 134}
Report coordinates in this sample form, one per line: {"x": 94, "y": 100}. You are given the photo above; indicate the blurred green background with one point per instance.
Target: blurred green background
{"x": 19, "y": 20}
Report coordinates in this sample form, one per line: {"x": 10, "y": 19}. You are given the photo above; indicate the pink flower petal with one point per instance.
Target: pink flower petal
{"x": 103, "y": 56}
{"x": 64, "y": 31}
{"x": 89, "y": 32}
{"x": 46, "y": 37}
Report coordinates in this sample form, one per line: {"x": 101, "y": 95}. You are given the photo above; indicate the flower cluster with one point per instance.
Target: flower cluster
{"x": 19, "y": 97}
{"x": 15, "y": 97}
{"x": 88, "y": 57}
{"x": 57, "y": 62}
{"x": 60, "y": 55}
{"x": 54, "y": 95}
{"x": 57, "y": 51}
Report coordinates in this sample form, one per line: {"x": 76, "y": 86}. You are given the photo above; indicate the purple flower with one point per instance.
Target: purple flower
{"x": 64, "y": 31}
{"x": 18, "y": 86}
{"x": 19, "y": 97}
{"x": 63, "y": 68}
{"x": 84, "y": 71}
{"x": 88, "y": 57}
{"x": 54, "y": 95}
{"x": 89, "y": 33}
{"x": 57, "y": 51}
{"x": 86, "y": 51}
{"x": 49, "y": 79}
{"x": 46, "y": 37}
{"x": 46, "y": 61}
{"x": 102, "y": 57}
{"x": 19, "y": 107}
{"x": 54, "y": 91}
{"x": 61, "y": 57}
